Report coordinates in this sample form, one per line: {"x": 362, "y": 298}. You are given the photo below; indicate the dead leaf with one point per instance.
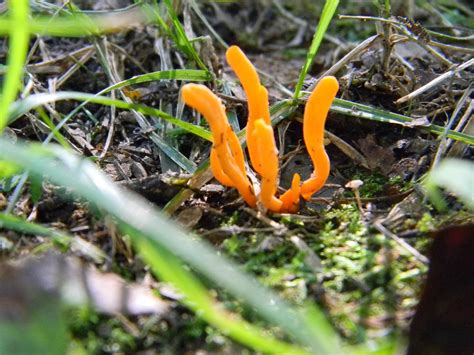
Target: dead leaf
{"x": 405, "y": 168}
{"x": 418, "y": 122}
{"x": 412, "y": 207}
{"x": 54, "y": 275}
{"x": 189, "y": 217}
{"x": 376, "y": 155}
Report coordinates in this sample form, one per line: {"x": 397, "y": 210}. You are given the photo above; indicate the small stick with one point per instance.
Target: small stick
{"x": 344, "y": 60}
{"x": 278, "y": 227}
{"x": 399, "y": 26}
{"x": 420, "y": 257}
{"x": 443, "y": 145}
{"x": 436, "y": 81}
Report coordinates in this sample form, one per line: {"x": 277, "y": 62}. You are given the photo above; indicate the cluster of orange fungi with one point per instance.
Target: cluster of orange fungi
{"x": 227, "y": 157}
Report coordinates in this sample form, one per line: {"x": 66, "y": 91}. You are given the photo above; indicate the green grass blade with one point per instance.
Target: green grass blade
{"x": 177, "y": 74}
{"x": 181, "y": 39}
{"x": 455, "y": 175}
{"x": 197, "y": 298}
{"x": 18, "y": 48}
{"x": 78, "y": 25}
{"x": 88, "y": 182}
{"x": 194, "y": 5}
{"x": 161, "y": 21}
{"x": 328, "y": 12}
{"x": 171, "y": 152}
{"x": 8, "y": 169}
{"x": 19, "y": 108}
{"x": 371, "y": 113}
{"x": 20, "y": 225}
{"x": 59, "y": 137}
{"x": 174, "y": 154}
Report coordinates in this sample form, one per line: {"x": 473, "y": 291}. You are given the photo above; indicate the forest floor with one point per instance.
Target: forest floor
{"x": 361, "y": 254}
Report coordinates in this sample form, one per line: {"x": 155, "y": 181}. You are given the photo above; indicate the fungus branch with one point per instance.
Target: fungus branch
{"x": 264, "y": 141}
{"x": 257, "y": 96}
{"x": 227, "y": 158}
{"x": 315, "y": 113}
{"x": 291, "y": 198}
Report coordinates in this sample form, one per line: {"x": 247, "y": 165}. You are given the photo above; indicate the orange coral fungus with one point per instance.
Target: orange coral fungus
{"x": 229, "y": 154}
{"x": 291, "y": 198}
{"x": 268, "y": 157}
{"x": 227, "y": 158}
{"x": 217, "y": 171}
{"x": 257, "y": 96}
{"x": 315, "y": 114}
{"x": 237, "y": 153}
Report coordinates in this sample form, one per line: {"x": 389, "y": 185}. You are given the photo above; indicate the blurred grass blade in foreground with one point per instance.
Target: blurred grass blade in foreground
{"x": 456, "y": 176}
{"x": 307, "y": 326}
{"x": 18, "y": 47}
{"x": 328, "y": 12}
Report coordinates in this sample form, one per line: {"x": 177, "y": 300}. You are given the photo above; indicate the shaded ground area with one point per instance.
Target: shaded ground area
{"x": 359, "y": 253}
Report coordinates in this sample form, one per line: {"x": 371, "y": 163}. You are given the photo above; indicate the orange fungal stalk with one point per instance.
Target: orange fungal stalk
{"x": 268, "y": 157}
{"x": 291, "y": 198}
{"x": 227, "y": 157}
{"x": 315, "y": 113}
{"x": 217, "y": 171}
{"x": 257, "y": 96}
